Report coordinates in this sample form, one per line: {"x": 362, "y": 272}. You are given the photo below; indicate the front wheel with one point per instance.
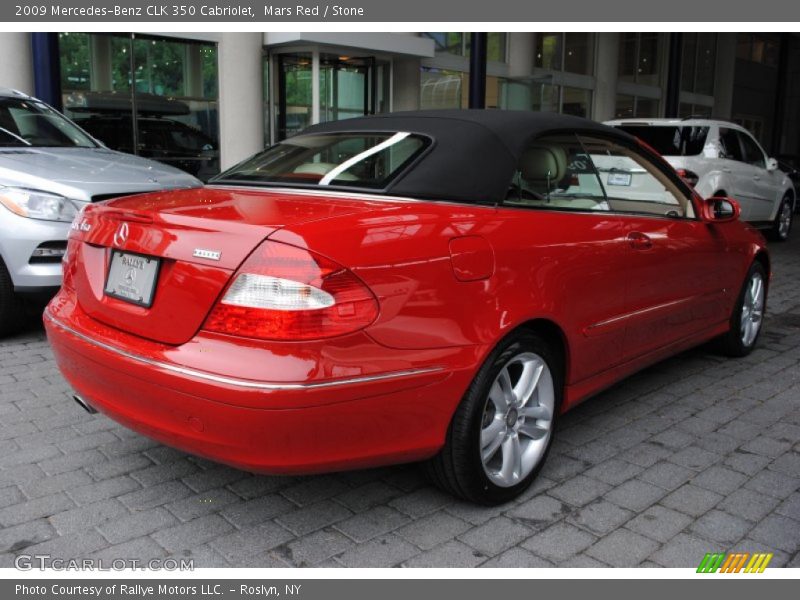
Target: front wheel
{"x": 748, "y": 316}
{"x": 501, "y": 432}
{"x": 783, "y": 221}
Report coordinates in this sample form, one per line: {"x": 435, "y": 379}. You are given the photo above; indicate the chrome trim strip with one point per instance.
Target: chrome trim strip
{"x": 243, "y": 383}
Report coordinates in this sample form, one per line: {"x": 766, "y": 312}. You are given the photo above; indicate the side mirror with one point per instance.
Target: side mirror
{"x": 772, "y": 164}
{"x": 720, "y": 210}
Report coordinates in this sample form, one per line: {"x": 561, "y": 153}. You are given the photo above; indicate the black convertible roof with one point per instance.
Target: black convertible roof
{"x": 474, "y": 152}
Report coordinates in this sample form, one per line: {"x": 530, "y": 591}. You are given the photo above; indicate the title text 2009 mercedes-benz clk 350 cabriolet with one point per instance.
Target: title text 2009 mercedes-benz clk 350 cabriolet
{"x": 433, "y": 286}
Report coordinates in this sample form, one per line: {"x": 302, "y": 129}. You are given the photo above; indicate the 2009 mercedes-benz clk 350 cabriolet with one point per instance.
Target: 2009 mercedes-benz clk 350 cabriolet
{"x": 431, "y": 286}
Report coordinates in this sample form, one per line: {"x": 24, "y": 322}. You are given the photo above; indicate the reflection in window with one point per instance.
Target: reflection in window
{"x": 576, "y": 102}
{"x": 697, "y": 65}
{"x": 628, "y": 106}
{"x": 759, "y": 48}
{"x": 640, "y": 58}
{"x": 458, "y": 44}
{"x": 569, "y": 52}
{"x": 175, "y": 84}
{"x": 443, "y": 89}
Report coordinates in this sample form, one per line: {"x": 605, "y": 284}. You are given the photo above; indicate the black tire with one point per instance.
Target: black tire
{"x": 779, "y": 232}
{"x": 458, "y": 468}
{"x": 732, "y": 343}
{"x": 12, "y": 308}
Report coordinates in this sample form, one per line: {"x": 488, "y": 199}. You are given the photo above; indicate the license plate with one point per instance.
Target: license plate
{"x": 619, "y": 179}
{"x": 132, "y": 277}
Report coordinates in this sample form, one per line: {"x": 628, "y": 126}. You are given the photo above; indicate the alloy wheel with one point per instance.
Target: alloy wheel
{"x": 752, "y": 309}
{"x": 785, "y": 220}
{"x": 517, "y": 419}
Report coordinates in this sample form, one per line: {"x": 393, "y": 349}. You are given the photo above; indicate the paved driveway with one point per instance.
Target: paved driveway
{"x": 696, "y": 454}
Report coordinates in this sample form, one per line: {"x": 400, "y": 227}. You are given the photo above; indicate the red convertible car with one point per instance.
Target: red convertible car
{"x": 434, "y": 286}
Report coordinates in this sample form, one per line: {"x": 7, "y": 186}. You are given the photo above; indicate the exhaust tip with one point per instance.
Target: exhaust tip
{"x": 83, "y": 404}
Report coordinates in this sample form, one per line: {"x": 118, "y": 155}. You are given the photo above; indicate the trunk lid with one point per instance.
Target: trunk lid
{"x": 199, "y": 237}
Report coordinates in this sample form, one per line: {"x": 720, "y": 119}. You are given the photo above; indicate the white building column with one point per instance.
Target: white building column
{"x": 406, "y": 76}
{"x": 606, "y": 73}
{"x": 16, "y": 68}
{"x": 241, "y": 101}
{"x": 521, "y": 50}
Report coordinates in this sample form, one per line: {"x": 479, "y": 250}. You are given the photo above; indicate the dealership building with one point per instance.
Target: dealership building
{"x": 226, "y": 95}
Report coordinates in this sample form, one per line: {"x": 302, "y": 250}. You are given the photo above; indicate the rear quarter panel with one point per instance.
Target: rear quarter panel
{"x": 547, "y": 265}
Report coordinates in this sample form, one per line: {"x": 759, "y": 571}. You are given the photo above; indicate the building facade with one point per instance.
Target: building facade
{"x": 207, "y": 101}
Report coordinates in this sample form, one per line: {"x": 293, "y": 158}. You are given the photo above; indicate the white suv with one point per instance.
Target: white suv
{"x": 722, "y": 159}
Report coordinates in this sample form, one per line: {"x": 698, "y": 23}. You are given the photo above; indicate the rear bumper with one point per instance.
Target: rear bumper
{"x": 264, "y": 426}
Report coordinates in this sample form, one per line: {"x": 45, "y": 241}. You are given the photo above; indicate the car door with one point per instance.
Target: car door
{"x": 674, "y": 286}
{"x": 737, "y": 174}
{"x": 762, "y": 183}
{"x": 567, "y": 252}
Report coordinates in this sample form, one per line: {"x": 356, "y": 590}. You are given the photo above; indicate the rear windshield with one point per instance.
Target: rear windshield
{"x": 361, "y": 160}
{"x": 671, "y": 140}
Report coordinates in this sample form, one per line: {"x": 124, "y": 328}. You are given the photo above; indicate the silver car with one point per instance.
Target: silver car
{"x": 49, "y": 169}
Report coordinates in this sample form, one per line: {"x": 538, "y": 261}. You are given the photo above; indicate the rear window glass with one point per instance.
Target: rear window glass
{"x": 361, "y": 160}
{"x": 671, "y": 141}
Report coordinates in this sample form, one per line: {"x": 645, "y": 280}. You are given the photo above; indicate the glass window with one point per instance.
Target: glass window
{"x": 165, "y": 108}
{"x": 576, "y": 102}
{"x": 670, "y": 140}
{"x": 640, "y": 58}
{"x": 496, "y": 46}
{"x": 729, "y": 145}
{"x": 635, "y": 106}
{"x": 753, "y": 155}
{"x": 647, "y": 107}
{"x": 578, "y": 53}
{"x": 759, "y": 48}
{"x": 26, "y": 122}
{"x": 699, "y": 57}
{"x": 362, "y": 160}
{"x": 625, "y": 106}
{"x": 555, "y": 173}
{"x": 687, "y": 110}
{"x": 544, "y": 97}
{"x": 569, "y": 52}
{"x": 448, "y": 42}
{"x": 442, "y": 89}
{"x": 548, "y": 51}
{"x": 633, "y": 184}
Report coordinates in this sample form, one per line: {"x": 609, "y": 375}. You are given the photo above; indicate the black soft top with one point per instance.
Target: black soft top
{"x": 474, "y": 153}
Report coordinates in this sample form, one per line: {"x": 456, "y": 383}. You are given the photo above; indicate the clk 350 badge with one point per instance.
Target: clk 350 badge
{"x": 209, "y": 254}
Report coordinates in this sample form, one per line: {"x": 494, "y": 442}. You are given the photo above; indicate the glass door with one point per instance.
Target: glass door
{"x": 294, "y": 94}
{"x": 346, "y": 87}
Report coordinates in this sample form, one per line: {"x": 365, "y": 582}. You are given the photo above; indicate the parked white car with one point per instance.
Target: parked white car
{"x": 722, "y": 159}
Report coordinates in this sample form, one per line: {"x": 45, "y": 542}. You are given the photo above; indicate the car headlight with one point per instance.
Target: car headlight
{"x": 36, "y": 204}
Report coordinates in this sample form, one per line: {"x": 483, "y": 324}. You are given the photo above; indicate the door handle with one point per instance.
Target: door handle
{"x": 756, "y": 178}
{"x": 639, "y": 241}
{"x": 726, "y": 170}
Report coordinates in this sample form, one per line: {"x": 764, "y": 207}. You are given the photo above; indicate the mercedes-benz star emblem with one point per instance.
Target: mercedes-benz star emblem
{"x": 121, "y": 236}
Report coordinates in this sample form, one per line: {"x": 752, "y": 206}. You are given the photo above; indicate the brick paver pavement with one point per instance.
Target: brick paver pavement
{"x": 697, "y": 454}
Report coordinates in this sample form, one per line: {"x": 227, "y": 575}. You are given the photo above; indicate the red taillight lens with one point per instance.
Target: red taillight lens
{"x": 688, "y": 176}
{"x": 282, "y": 292}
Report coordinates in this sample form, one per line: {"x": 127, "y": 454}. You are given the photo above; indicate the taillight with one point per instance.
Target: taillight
{"x": 282, "y": 292}
{"x": 688, "y": 176}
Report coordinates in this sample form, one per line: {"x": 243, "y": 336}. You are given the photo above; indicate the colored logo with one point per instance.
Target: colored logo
{"x": 736, "y": 562}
